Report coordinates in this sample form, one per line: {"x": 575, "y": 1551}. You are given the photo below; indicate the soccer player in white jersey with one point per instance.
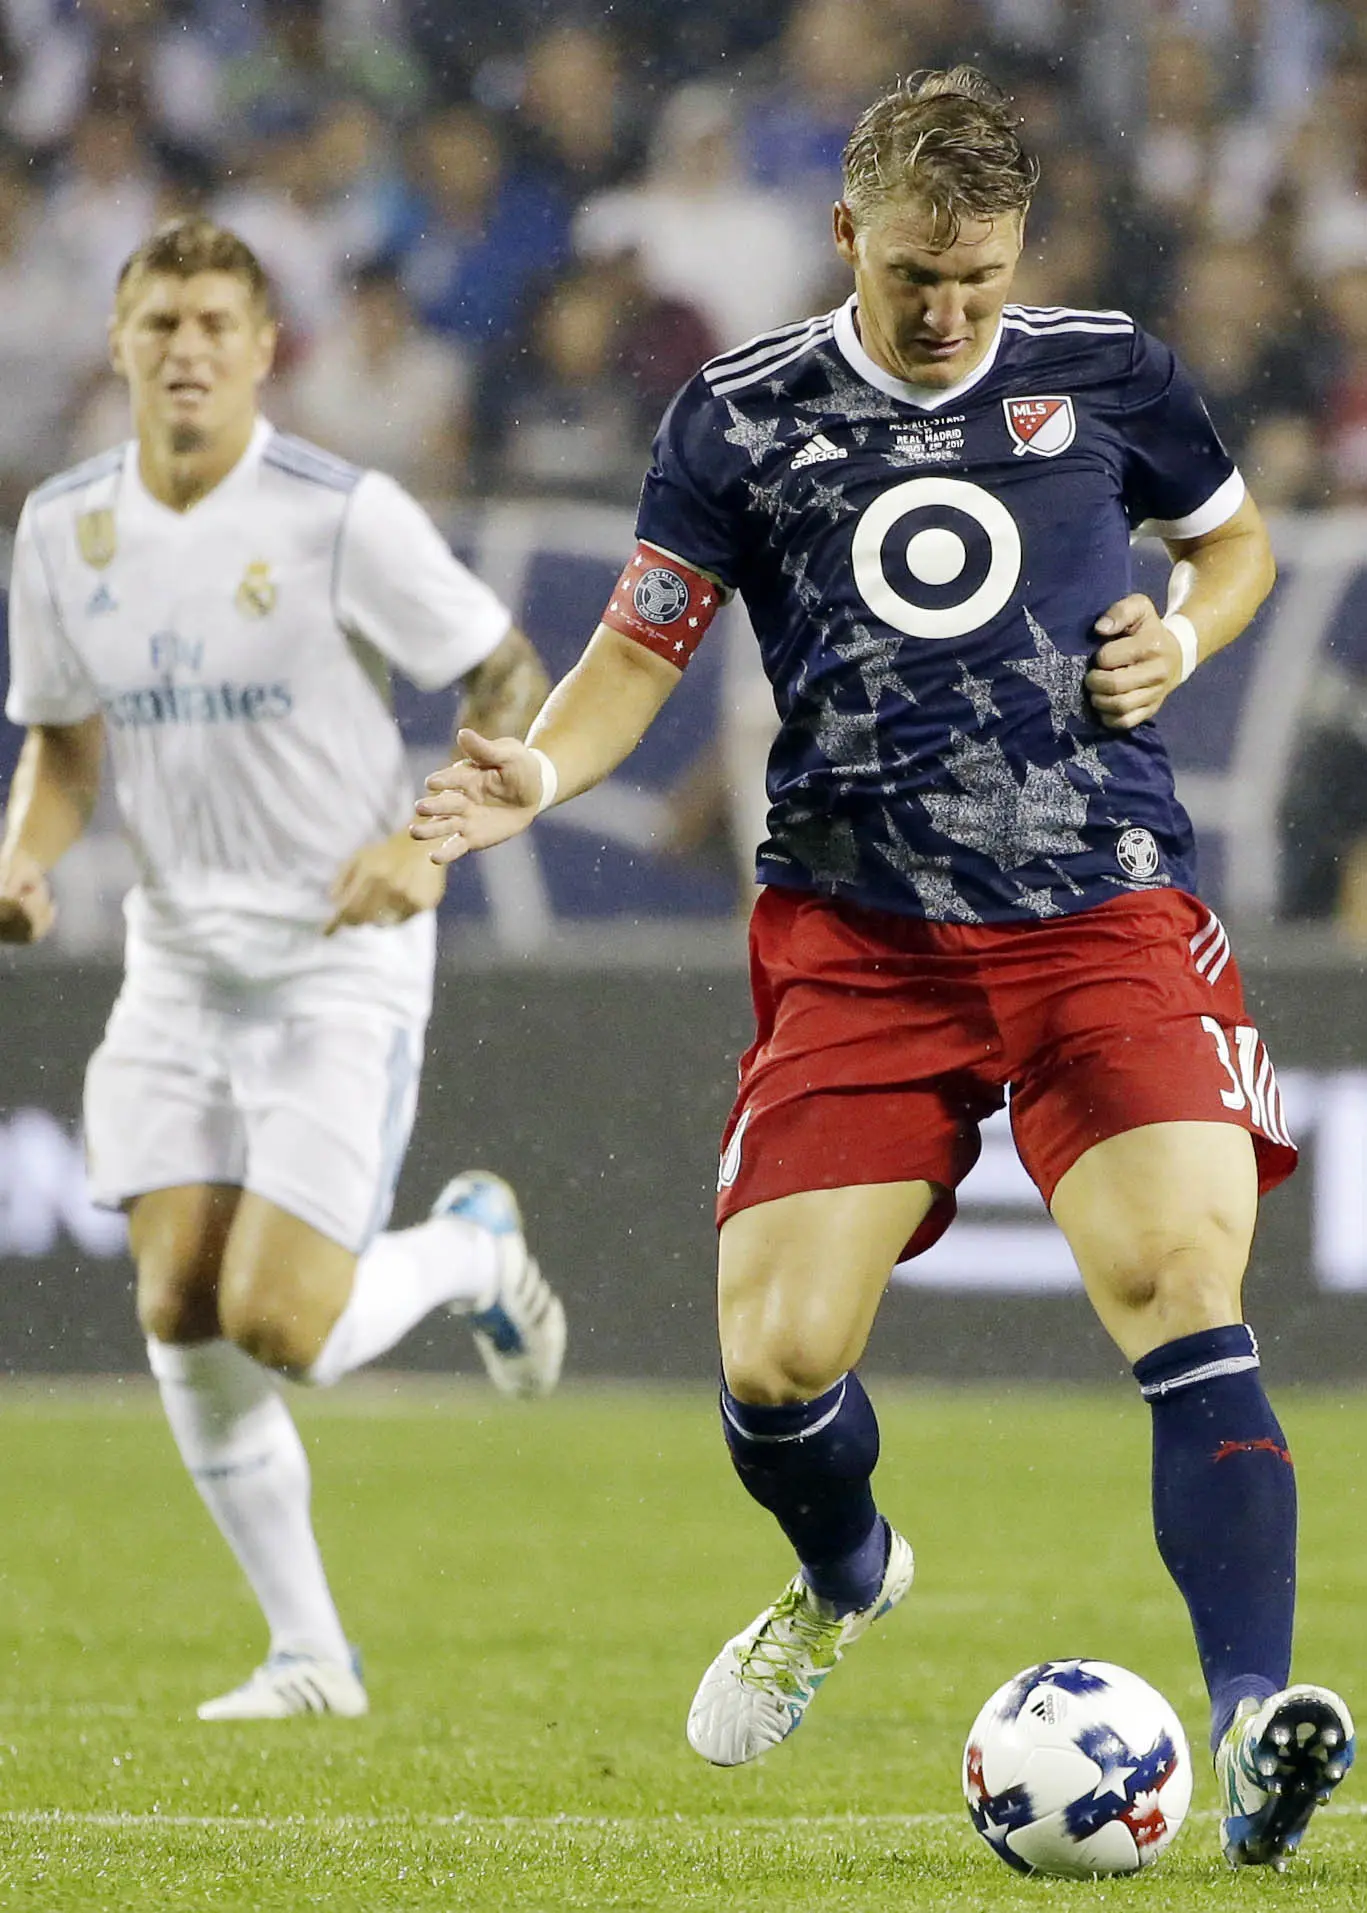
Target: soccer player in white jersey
{"x": 978, "y": 880}
{"x": 218, "y": 608}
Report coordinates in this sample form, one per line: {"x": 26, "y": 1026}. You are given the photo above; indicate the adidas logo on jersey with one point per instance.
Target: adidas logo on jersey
{"x": 816, "y": 451}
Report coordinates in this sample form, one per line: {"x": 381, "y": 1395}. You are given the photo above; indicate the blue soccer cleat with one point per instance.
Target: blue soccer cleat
{"x": 520, "y": 1334}
{"x": 1279, "y": 1760}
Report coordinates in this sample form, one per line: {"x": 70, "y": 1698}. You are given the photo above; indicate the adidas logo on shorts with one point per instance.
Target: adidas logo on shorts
{"x": 816, "y": 451}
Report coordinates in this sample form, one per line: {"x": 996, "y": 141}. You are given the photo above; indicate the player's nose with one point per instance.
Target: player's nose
{"x": 945, "y": 315}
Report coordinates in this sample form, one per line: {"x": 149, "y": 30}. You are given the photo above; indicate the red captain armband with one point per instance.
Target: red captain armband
{"x": 663, "y": 604}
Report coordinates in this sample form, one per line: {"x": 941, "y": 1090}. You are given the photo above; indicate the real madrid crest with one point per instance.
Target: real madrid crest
{"x": 256, "y": 593}
{"x": 97, "y": 537}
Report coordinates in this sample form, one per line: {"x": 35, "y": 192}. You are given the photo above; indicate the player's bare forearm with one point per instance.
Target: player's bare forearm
{"x": 593, "y": 719}
{"x": 601, "y": 709}
{"x": 56, "y": 783}
{"x": 1217, "y": 583}
{"x": 1220, "y": 580}
{"x": 501, "y": 696}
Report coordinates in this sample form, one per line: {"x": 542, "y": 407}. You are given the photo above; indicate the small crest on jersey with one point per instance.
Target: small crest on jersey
{"x": 97, "y": 537}
{"x": 256, "y": 593}
{"x": 101, "y": 599}
{"x": 1137, "y": 853}
{"x": 1044, "y": 426}
{"x": 660, "y": 596}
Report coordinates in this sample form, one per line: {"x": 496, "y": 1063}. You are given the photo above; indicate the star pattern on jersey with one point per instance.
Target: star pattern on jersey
{"x": 846, "y": 738}
{"x": 1042, "y": 903}
{"x": 756, "y": 436}
{"x": 978, "y": 691}
{"x": 1009, "y": 822}
{"x": 827, "y": 498}
{"x": 876, "y": 656}
{"x": 769, "y": 504}
{"x": 848, "y": 395}
{"x": 1089, "y": 760}
{"x": 930, "y": 877}
{"x": 1058, "y": 674}
{"x": 825, "y": 846}
{"x": 850, "y": 738}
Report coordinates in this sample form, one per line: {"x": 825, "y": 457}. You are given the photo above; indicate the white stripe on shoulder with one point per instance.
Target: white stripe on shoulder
{"x": 761, "y": 342}
{"x": 1218, "y": 509}
{"x": 798, "y": 350}
{"x": 1107, "y": 329}
{"x": 102, "y": 465}
{"x": 757, "y": 356}
{"x": 1059, "y": 315}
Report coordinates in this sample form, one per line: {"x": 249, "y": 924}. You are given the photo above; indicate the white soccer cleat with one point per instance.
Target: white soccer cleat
{"x": 760, "y": 1686}
{"x": 1279, "y": 1760}
{"x": 289, "y": 1684}
{"x": 520, "y": 1335}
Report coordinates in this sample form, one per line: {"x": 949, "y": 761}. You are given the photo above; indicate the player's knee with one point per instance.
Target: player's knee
{"x": 770, "y": 1375}
{"x": 176, "y": 1305}
{"x": 261, "y": 1327}
{"x": 1191, "y": 1280}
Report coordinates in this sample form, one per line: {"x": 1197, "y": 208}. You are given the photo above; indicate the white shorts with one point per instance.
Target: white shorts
{"x": 310, "y": 1109}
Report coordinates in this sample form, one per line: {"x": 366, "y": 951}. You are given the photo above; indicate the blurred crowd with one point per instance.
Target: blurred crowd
{"x": 503, "y": 231}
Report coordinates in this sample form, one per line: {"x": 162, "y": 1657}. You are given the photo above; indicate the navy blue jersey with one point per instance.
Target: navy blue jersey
{"x": 923, "y": 572}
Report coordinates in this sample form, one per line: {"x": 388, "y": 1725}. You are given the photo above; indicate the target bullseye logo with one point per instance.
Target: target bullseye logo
{"x": 950, "y": 568}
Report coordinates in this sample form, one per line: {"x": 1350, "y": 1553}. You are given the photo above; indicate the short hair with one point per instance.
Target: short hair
{"x": 188, "y": 245}
{"x": 949, "y": 138}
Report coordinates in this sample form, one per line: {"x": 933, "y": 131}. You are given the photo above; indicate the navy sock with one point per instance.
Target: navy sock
{"x": 809, "y": 1464}
{"x": 1224, "y": 1510}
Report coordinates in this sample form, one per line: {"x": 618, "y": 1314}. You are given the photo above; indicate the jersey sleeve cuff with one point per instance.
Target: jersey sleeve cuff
{"x": 27, "y": 711}
{"x": 1218, "y": 509}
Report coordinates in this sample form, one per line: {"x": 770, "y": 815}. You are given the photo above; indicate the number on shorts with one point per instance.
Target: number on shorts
{"x": 1252, "y": 1079}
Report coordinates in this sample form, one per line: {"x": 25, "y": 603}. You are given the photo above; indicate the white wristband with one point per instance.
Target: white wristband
{"x": 550, "y": 779}
{"x": 1185, "y": 633}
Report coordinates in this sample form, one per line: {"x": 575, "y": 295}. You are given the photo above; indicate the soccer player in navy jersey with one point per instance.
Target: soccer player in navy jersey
{"x": 977, "y": 880}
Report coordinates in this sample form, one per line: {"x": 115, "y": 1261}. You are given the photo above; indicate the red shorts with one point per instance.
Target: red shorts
{"x": 883, "y": 1041}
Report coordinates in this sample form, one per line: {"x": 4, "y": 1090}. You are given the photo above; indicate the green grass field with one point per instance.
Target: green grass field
{"x": 537, "y": 1591}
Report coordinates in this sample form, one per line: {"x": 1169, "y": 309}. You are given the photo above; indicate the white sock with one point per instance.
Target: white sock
{"x": 243, "y": 1451}
{"x": 402, "y": 1277}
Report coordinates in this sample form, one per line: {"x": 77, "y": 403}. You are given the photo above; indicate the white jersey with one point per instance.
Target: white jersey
{"x": 239, "y": 655}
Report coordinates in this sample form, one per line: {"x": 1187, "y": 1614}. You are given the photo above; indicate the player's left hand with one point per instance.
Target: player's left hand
{"x": 386, "y": 883}
{"x": 1137, "y": 666}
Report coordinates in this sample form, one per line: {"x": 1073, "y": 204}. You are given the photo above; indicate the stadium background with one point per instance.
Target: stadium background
{"x": 502, "y": 234}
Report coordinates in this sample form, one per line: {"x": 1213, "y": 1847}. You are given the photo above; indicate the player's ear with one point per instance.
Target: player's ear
{"x": 115, "y": 336}
{"x": 267, "y": 338}
{"x": 842, "y": 221}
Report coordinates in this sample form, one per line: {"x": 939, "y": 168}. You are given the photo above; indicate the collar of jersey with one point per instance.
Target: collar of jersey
{"x": 226, "y": 487}
{"x": 926, "y": 398}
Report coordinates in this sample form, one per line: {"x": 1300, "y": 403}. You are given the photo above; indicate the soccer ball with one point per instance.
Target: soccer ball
{"x": 1077, "y": 1768}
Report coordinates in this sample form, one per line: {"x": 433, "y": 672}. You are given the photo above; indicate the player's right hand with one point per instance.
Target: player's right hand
{"x": 27, "y": 911}
{"x": 484, "y": 798}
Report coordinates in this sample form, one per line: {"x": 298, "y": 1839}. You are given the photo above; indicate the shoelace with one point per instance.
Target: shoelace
{"x": 794, "y": 1627}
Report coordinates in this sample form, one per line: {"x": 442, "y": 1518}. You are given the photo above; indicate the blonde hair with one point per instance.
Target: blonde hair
{"x": 949, "y": 138}
{"x": 189, "y": 245}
